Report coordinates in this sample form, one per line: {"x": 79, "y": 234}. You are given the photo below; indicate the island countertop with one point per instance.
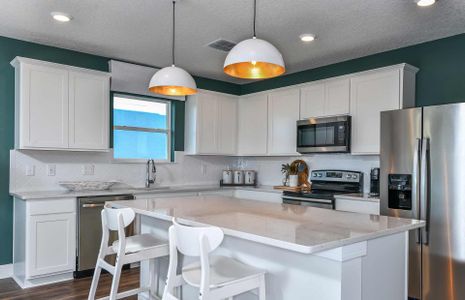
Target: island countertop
{"x": 296, "y": 228}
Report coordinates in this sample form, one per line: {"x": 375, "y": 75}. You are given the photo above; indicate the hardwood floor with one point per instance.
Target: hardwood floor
{"x": 74, "y": 289}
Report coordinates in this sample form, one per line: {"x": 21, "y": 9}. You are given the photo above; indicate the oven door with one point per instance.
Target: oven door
{"x": 313, "y": 202}
{"x": 324, "y": 135}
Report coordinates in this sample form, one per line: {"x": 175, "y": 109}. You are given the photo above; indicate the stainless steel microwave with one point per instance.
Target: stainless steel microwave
{"x": 324, "y": 135}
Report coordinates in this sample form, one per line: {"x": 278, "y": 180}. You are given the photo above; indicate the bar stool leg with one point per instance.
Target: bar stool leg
{"x": 262, "y": 288}
{"x": 153, "y": 279}
{"x": 115, "y": 281}
{"x": 94, "y": 285}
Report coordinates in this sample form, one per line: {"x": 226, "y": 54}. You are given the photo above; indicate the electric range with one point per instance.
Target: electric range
{"x": 326, "y": 184}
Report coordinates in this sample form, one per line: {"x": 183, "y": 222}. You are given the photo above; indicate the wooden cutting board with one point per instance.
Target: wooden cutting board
{"x": 291, "y": 189}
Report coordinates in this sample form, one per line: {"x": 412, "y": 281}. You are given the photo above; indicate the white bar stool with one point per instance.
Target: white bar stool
{"x": 128, "y": 250}
{"x": 217, "y": 277}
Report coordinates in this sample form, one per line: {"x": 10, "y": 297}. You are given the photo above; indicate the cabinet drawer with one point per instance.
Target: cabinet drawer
{"x": 55, "y": 206}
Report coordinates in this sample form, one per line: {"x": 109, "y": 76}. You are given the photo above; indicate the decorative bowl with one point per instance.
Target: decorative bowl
{"x": 74, "y": 186}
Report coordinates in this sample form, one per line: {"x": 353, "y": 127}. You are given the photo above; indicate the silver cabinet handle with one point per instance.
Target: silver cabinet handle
{"x": 93, "y": 205}
{"x": 424, "y": 194}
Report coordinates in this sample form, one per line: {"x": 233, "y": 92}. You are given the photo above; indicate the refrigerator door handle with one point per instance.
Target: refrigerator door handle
{"x": 425, "y": 191}
{"x": 416, "y": 185}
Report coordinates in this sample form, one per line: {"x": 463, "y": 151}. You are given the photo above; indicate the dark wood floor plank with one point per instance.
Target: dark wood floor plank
{"x": 77, "y": 289}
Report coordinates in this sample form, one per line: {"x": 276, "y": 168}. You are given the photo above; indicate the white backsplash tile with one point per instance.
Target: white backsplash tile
{"x": 186, "y": 171}
{"x": 69, "y": 167}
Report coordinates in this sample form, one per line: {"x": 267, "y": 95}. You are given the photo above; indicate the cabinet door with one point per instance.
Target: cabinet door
{"x": 370, "y": 95}
{"x": 312, "y": 101}
{"x": 51, "y": 244}
{"x": 283, "y": 113}
{"x": 43, "y": 107}
{"x": 337, "y": 97}
{"x": 89, "y": 108}
{"x": 253, "y": 125}
{"x": 207, "y": 119}
{"x": 227, "y": 125}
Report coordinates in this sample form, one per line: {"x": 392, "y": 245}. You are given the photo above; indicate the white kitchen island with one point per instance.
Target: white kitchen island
{"x": 308, "y": 253}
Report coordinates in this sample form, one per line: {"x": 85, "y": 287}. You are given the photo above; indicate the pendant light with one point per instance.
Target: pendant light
{"x": 254, "y": 58}
{"x": 173, "y": 81}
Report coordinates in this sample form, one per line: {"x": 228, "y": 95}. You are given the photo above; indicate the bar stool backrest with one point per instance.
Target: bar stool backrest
{"x": 191, "y": 241}
{"x": 112, "y": 216}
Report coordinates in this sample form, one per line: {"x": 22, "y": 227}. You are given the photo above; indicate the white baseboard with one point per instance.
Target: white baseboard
{"x": 6, "y": 271}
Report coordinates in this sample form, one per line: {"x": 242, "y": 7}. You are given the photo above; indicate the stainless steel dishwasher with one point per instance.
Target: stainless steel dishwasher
{"x": 89, "y": 231}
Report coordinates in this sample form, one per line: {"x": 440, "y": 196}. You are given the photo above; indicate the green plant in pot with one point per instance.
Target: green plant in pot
{"x": 285, "y": 171}
{"x": 293, "y": 175}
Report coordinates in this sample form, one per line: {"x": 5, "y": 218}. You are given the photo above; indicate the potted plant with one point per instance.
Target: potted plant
{"x": 293, "y": 175}
{"x": 285, "y": 171}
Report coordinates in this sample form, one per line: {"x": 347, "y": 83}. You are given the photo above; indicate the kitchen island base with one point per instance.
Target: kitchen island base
{"x": 367, "y": 270}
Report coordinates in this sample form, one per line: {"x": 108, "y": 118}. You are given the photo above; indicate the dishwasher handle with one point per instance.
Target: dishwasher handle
{"x": 92, "y": 205}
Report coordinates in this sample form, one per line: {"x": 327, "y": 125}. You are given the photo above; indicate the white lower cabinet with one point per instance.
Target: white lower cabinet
{"x": 362, "y": 205}
{"x": 226, "y": 193}
{"x": 271, "y": 196}
{"x": 44, "y": 239}
{"x": 53, "y": 241}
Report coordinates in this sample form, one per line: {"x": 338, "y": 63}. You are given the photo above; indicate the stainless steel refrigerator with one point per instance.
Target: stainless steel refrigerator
{"x": 423, "y": 177}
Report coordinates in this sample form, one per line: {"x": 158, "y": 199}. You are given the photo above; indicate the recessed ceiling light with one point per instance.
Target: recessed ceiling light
{"x": 61, "y": 17}
{"x": 307, "y": 37}
{"x": 425, "y": 2}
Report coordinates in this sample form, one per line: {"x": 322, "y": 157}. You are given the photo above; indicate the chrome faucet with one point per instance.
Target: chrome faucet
{"x": 151, "y": 174}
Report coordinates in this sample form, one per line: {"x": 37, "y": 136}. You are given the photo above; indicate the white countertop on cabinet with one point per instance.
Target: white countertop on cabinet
{"x": 37, "y": 195}
{"x": 297, "y": 228}
{"x": 359, "y": 197}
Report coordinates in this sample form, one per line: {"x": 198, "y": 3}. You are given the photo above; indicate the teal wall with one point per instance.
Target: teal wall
{"x": 441, "y": 78}
{"x": 9, "y": 49}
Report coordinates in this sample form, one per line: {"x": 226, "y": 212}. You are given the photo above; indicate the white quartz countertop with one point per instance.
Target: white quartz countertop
{"x": 37, "y": 195}
{"x": 297, "y": 228}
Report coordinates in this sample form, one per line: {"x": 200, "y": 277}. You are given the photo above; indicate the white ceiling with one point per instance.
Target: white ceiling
{"x": 140, "y": 30}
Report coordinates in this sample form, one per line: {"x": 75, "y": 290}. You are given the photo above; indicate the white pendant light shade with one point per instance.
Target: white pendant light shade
{"x": 172, "y": 81}
{"x": 254, "y": 59}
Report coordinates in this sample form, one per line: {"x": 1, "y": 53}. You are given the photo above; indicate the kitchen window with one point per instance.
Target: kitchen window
{"x": 141, "y": 128}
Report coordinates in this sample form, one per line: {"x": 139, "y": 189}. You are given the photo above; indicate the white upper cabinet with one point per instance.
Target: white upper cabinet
{"x": 227, "y": 127}
{"x": 325, "y": 98}
{"x": 43, "y": 107}
{"x": 312, "y": 101}
{"x": 211, "y": 124}
{"x": 208, "y": 124}
{"x": 337, "y": 97}
{"x": 373, "y": 92}
{"x": 60, "y": 107}
{"x": 89, "y": 111}
{"x": 253, "y": 125}
{"x": 283, "y": 114}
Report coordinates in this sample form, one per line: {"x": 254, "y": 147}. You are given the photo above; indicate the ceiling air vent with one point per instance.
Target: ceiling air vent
{"x": 222, "y": 45}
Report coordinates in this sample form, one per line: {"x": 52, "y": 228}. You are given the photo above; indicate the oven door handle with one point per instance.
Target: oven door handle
{"x": 324, "y": 201}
